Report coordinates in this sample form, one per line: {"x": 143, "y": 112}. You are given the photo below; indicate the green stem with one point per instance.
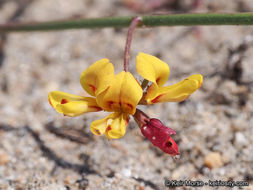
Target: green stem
{"x": 144, "y": 83}
{"x": 150, "y": 21}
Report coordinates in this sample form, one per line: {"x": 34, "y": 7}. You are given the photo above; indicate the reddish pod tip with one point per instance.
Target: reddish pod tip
{"x": 160, "y": 137}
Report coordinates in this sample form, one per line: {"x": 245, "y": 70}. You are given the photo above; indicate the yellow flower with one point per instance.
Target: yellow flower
{"x": 113, "y": 93}
{"x": 157, "y": 71}
{"x": 121, "y": 93}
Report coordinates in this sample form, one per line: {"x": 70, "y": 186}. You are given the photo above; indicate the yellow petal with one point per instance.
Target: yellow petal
{"x": 152, "y": 92}
{"x": 118, "y": 127}
{"x": 98, "y": 127}
{"x": 177, "y": 92}
{"x": 122, "y": 95}
{"x": 72, "y": 105}
{"x": 114, "y": 125}
{"x": 152, "y": 68}
{"x": 97, "y": 77}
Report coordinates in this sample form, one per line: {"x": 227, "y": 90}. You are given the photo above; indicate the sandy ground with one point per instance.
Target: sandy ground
{"x": 41, "y": 149}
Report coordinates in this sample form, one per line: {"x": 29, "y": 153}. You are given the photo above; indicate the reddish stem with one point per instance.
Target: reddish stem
{"x": 141, "y": 118}
{"x": 135, "y": 22}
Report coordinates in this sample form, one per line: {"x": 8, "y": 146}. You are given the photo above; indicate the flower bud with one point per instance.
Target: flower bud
{"x": 159, "y": 135}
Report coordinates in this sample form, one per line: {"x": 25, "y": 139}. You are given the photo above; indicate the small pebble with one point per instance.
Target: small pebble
{"x": 126, "y": 172}
{"x": 213, "y": 160}
{"x": 4, "y": 158}
{"x": 69, "y": 180}
{"x": 240, "y": 140}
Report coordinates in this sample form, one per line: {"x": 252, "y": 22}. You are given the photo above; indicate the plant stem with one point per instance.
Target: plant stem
{"x": 141, "y": 118}
{"x": 144, "y": 84}
{"x": 135, "y": 22}
{"x": 150, "y": 21}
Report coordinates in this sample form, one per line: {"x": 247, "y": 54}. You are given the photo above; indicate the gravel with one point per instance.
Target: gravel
{"x": 214, "y": 126}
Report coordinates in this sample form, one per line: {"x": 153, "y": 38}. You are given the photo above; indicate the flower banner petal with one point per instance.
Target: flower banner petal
{"x": 113, "y": 126}
{"x": 177, "y": 92}
{"x": 72, "y": 105}
{"x": 122, "y": 95}
{"x": 97, "y": 77}
{"x": 152, "y": 68}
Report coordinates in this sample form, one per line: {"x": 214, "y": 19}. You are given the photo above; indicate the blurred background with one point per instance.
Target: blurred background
{"x": 41, "y": 149}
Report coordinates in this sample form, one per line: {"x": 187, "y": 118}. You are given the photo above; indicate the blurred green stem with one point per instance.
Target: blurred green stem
{"x": 119, "y": 22}
{"x": 144, "y": 84}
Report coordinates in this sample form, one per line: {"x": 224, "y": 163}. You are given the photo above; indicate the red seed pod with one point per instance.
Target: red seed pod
{"x": 154, "y": 130}
{"x": 160, "y": 137}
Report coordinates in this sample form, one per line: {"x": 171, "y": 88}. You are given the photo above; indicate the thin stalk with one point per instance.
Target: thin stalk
{"x": 144, "y": 84}
{"x": 141, "y": 118}
{"x": 119, "y": 22}
{"x": 135, "y": 22}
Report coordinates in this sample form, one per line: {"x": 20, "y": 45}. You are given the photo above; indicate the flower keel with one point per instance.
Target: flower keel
{"x": 113, "y": 126}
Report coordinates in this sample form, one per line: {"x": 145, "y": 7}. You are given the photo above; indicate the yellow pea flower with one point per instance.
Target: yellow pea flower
{"x": 113, "y": 93}
{"x": 121, "y": 93}
{"x": 155, "y": 70}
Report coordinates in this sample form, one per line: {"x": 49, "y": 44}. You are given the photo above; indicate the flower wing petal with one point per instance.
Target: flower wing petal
{"x": 97, "y": 77}
{"x": 122, "y": 95}
{"x": 72, "y": 105}
{"x": 114, "y": 125}
{"x": 152, "y": 68}
{"x": 177, "y": 92}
